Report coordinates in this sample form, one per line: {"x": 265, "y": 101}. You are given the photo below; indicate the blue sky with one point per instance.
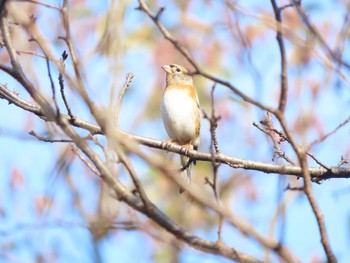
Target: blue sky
{"x": 36, "y": 160}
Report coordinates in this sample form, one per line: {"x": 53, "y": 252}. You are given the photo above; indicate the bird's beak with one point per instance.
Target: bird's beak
{"x": 166, "y": 68}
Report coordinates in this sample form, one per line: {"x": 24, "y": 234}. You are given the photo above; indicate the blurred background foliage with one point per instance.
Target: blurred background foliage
{"x": 53, "y": 209}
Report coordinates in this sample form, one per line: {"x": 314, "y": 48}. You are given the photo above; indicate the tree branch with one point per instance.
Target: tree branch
{"x": 155, "y": 214}
{"x": 324, "y": 137}
{"x": 316, "y": 173}
{"x": 284, "y": 76}
{"x": 301, "y": 154}
{"x": 314, "y": 31}
{"x": 144, "y": 8}
{"x": 128, "y": 80}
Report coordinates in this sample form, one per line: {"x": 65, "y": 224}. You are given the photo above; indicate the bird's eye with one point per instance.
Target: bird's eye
{"x": 178, "y": 70}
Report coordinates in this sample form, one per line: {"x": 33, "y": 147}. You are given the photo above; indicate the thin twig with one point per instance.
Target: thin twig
{"x": 289, "y": 5}
{"x": 214, "y": 146}
{"x": 317, "y": 161}
{"x": 96, "y": 141}
{"x": 284, "y": 76}
{"x": 271, "y": 131}
{"x": 84, "y": 160}
{"x": 19, "y": 52}
{"x": 73, "y": 54}
{"x": 114, "y": 225}
{"x": 214, "y": 121}
{"x": 128, "y": 80}
{"x": 52, "y": 88}
{"x": 342, "y": 161}
{"x": 324, "y": 137}
{"x": 159, "y": 13}
{"x": 40, "y": 3}
{"x": 61, "y": 82}
{"x": 294, "y": 188}
{"x": 336, "y": 57}
{"x": 123, "y": 159}
{"x": 342, "y": 36}
{"x": 43, "y": 139}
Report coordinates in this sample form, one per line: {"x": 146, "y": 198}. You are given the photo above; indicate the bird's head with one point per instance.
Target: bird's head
{"x": 176, "y": 74}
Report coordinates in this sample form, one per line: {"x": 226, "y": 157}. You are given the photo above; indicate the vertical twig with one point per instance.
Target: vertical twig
{"x": 61, "y": 82}
{"x": 129, "y": 78}
{"x": 284, "y": 76}
{"x": 52, "y": 87}
{"x": 76, "y": 63}
{"x": 214, "y": 146}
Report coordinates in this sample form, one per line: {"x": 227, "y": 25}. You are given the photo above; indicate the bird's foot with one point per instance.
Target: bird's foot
{"x": 166, "y": 144}
{"x": 186, "y": 148}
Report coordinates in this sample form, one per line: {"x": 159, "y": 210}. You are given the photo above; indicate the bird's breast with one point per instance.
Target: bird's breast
{"x": 180, "y": 114}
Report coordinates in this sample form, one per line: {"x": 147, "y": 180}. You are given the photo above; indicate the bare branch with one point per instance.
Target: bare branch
{"x": 19, "y": 52}
{"x": 198, "y": 196}
{"x": 301, "y": 154}
{"x": 61, "y": 82}
{"x": 119, "y": 140}
{"x": 128, "y": 80}
{"x": 317, "y": 161}
{"x": 324, "y": 137}
{"x": 144, "y": 8}
{"x": 123, "y": 159}
{"x": 73, "y": 54}
{"x": 271, "y": 131}
{"x": 213, "y": 121}
{"x": 342, "y": 161}
{"x": 17, "y": 71}
{"x": 40, "y": 3}
{"x": 155, "y": 214}
{"x": 52, "y": 87}
{"x": 316, "y": 173}
{"x": 284, "y": 77}
{"x": 291, "y": 188}
{"x": 336, "y": 57}
{"x": 84, "y": 160}
{"x": 43, "y": 139}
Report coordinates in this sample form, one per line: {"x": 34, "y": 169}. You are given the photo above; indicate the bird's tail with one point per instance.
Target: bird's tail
{"x": 186, "y": 175}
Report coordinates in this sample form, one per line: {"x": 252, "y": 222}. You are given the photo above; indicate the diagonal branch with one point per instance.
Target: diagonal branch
{"x": 144, "y": 8}
{"x": 153, "y": 213}
{"x": 337, "y": 58}
{"x": 324, "y": 137}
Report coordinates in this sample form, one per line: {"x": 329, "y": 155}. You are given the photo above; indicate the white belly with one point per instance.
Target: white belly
{"x": 178, "y": 113}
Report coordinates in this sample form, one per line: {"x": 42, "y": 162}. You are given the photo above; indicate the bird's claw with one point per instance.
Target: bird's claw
{"x": 166, "y": 144}
{"x": 185, "y": 150}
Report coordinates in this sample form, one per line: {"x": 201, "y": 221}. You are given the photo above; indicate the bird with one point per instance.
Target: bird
{"x": 180, "y": 111}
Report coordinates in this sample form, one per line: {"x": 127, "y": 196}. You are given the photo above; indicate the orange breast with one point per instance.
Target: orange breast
{"x": 191, "y": 91}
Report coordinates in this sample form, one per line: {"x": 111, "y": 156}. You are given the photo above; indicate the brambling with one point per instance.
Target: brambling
{"x": 180, "y": 111}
